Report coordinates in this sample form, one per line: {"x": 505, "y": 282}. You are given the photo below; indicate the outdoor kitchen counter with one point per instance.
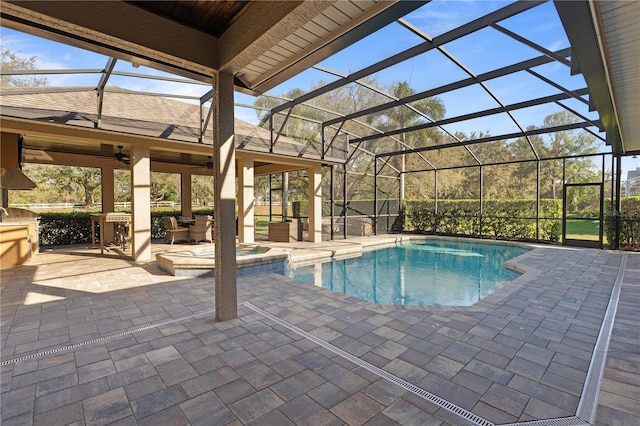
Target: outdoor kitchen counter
{"x": 18, "y": 241}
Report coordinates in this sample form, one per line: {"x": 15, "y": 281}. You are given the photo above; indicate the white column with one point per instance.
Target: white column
{"x": 315, "y": 203}
{"x": 246, "y": 197}
{"x": 224, "y": 169}
{"x": 140, "y": 206}
{"x": 185, "y": 193}
{"x": 285, "y": 197}
{"x": 108, "y": 198}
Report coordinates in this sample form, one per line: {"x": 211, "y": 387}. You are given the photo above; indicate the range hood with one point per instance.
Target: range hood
{"x": 13, "y": 178}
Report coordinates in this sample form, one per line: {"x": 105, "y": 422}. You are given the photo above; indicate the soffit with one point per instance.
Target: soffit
{"x": 619, "y": 22}
{"x": 262, "y": 43}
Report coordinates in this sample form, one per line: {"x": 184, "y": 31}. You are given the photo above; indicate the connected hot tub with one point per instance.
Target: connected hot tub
{"x": 199, "y": 261}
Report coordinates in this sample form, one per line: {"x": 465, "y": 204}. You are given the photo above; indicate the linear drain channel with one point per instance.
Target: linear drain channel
{"x": 561, "y": 421}
{"x": 101, "y": 339}
{"x": 588, "y": 403}
{"x": 477, "y": 420}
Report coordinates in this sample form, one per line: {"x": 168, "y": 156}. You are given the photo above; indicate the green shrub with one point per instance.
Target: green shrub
{"x": 501, "y": 219}
{"x": 75, "y": 227}
{"x": 64, "y": 228}
{"x": 629, "y": 218}
{"x": 300, "y": 208}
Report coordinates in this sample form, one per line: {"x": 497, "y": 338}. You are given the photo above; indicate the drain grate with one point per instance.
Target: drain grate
{"x": 589, "y": 399}
{"x": 563, "y": 421}
{"x": 101, "y": 339}
{"x": 477, "y": 420}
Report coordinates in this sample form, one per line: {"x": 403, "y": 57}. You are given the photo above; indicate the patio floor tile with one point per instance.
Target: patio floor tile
{"x": 521, "y": 354}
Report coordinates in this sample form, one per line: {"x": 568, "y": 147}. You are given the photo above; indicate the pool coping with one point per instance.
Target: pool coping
{"x": 189, "y": 263}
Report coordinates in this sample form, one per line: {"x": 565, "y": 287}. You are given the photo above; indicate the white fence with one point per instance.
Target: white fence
{"x": 121, "y": 205}
{"x": 75, "y": 206}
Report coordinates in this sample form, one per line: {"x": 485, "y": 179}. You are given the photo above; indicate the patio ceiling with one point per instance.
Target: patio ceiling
{"x": 267, "y": 43}
{"x": 261, "y": 43}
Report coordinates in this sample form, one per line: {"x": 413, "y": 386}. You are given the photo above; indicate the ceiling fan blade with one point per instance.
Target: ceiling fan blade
{"x": 208, "y": 165}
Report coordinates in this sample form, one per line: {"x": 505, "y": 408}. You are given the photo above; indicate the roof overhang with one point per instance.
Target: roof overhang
{"x": 604, "y": 37}
{"x": 268, "y": 43}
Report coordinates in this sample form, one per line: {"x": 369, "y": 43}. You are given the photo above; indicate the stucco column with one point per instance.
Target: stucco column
{"x": 185, "y": 193}
{"x": 246, "y": 197}
{"x": 224, "y": 168}
{"x": 108, "y": 198}
{"x": 140, "y": 230}
{"x": 315, "y": 203}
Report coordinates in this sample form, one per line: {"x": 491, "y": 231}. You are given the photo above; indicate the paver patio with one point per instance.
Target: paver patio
{"x": 103, "y": 340}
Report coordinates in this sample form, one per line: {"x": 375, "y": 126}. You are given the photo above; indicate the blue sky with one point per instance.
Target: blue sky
{"x": 480, "y": 52}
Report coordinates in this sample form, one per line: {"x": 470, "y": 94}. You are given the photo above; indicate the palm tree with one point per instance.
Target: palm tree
{"x": 408, "y": 115}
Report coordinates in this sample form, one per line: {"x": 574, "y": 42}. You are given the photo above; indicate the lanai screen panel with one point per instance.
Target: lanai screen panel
{"x": 513, "y": 182}
{"x": 584, "y": 169}
{"x": 421, "y": 186}
{"x": 551, "y": 181}
{"x": 417, "y": 161}
{"x": 503, "y": 151}
{"x": 388, "y": 41}
{"x": 447, "y": 158}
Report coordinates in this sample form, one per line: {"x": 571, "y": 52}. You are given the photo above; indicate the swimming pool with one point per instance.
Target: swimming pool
{"x": 431, "y": 272}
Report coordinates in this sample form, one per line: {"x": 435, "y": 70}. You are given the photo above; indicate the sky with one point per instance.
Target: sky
{"x": 479, "y": 52}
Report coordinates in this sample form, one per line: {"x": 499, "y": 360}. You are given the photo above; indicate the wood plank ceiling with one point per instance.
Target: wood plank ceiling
{"x": 212, "y": 17}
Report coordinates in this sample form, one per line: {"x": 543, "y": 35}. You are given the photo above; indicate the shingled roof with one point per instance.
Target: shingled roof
{"x": 132, "y": 112}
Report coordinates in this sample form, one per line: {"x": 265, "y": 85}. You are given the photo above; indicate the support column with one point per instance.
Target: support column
{"x": 185, "y": 194}
{"x": 140, "y": 228}
{"x": 315, "y": 203}
{"x": 224, "y": 198}
{"x": 285, "y": 196}
{"x": 108, "y": 198}
{"x": 246, "y": 197}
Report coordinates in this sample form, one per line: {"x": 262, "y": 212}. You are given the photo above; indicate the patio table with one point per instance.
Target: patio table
{"x": 121, "y": 220}
{"x": 185, "y": 221}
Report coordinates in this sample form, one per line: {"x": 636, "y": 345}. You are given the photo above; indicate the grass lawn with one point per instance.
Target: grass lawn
{"x": 582, "y": 229}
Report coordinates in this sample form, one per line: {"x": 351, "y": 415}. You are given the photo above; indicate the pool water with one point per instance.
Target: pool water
{"x": 433, "y": 272}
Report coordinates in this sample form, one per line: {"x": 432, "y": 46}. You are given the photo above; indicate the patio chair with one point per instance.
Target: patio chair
{"x": 201, "y": 230}
{"x": 173, "y": 231}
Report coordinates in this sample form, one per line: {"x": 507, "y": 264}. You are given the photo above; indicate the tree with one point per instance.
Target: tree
{"x": 73, "y": 181}
{"x": 294, "y": 127}
{"x": 405, "y": 116}
{"x": 165, "y": 186}
{"x": 11, "y": 61}
{"x": 202, "y": 189}
{"x": 563, "y": 144}
{"x": 352, "y": 98}
{"x": 122, "y": 185}
{"x": 60, "y": 184}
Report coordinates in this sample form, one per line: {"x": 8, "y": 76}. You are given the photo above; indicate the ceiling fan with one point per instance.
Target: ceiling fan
{"x": 121, "y": 156}
{"x": 208, "y": 164}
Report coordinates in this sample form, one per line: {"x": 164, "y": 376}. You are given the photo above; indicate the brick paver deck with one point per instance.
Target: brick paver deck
{"x": 142, "y": 347}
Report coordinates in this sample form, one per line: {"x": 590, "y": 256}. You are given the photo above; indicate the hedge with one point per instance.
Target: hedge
{"x": 75, "y": 227}
{"x": 501, "y": 219}
{"x": 629, "y": 218}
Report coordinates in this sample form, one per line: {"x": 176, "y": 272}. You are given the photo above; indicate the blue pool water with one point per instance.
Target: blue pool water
{"x": 433, "y": 272}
